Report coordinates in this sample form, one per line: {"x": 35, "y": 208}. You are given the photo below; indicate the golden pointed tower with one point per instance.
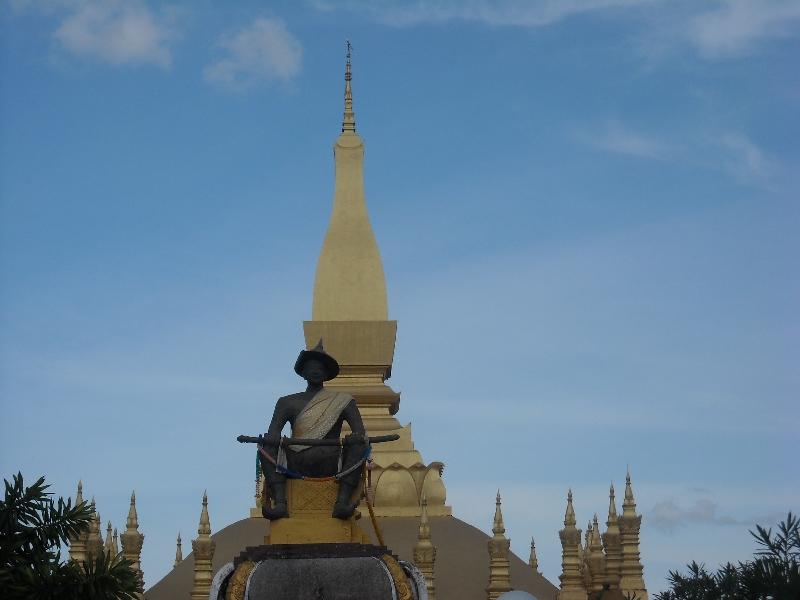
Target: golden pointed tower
{"x": 350, "y": 314}
{"x": 77, "y": 544}
{"x": 203, "y": 549}
{"x": 178, "y": 552}
{"x": 586, "y": 575}
{"x": 612, "y": 544}
{"x": 571, "y": 584}
{"x": 532, "y": 562}
{"x": 108, "y": 547}
{"x": 94, "y": 541}
{"x": 631, "y": 572}
{"x": 132, "y": 540}
{"x": 597, "y": 562}
{"x": 499, "y": 577}
{"x": 425, "y": 551}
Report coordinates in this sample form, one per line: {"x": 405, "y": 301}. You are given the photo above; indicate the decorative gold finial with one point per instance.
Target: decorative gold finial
{"x": 571, "y": 557}
{"x": 425, "y": 551}
{"x": 499, "y": 577}
{"x": 178, "y": 552}
{"x": 94, "y": 541}
{"x": 108, "y": 546}
{"x": 132, "y": 541}
{"x": 498, "y": 526}
{"x": 532, "y": 562}
{"x": 77, "y": 543}
{"x": 349, "y": 123}
{"x": 612, "y": 543}
{"x": 569, "y": 516}
{"x": 631, "y": 572}
{"x": 203, "y": 550}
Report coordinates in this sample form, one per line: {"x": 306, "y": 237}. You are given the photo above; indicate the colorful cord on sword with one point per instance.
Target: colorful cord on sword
{"x": 336, "y": 477}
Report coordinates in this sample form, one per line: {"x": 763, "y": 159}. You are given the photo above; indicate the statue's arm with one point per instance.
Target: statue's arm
{"x": 279, "y": 418}
{"x": 353, "y": 418}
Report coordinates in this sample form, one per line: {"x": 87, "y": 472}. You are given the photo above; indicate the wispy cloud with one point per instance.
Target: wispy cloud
{"x": 667, "y": 515}
{"x": 734, "y": 28}
{"x": 493, "y": 12}
{"x": 117, "y": 34}
{"x": 724, "y": 29}
{"x": 617, "y": 138}
{"x": 265, "y": 50}
{"x": 732, "y": 152}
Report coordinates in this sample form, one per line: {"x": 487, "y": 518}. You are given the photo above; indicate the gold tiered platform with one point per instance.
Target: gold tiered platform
{"x": 310, "y": 505}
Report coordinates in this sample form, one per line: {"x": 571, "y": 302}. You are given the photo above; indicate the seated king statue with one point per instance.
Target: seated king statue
{"x": 316, "y": 413}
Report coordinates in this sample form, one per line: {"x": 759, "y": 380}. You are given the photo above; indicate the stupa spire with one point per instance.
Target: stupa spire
{"x": 532, "y": 562}
{"x": 631, "y": 572}
{"x": 132, "y": 540}
{"x": 499, "y": 544}
{"x": 612, "y": 543}
{"x": 178, "y": 552}
{"x": 349, "y": 123}
{"x": 203, "y": 550}
{"x": 571, "y": 580}
{"x": 425, "y": 551}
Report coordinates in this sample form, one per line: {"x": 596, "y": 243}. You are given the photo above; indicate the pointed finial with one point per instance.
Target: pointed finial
{"x": 92, "y": 507}
{"x": 628, "y": 504}
{"x": 612, "y": 507}
{"x": 178, "y": 552}
{"x": 116, "y": 542}
{"x": 498, "y": 526}
{"x": 349, "y": 123}
{"x": 205, "y": 523}
{"x": 133, "y": 519}
{"x": 569, "y": 517}
{"x": 79, "y": 496}
{"x": 109, "y": 540}
{"x": 424, "y": 528}
{"x": 532, "y": 562}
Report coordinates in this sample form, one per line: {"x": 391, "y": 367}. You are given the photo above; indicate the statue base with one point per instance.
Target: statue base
{"x": 310, "y": 504}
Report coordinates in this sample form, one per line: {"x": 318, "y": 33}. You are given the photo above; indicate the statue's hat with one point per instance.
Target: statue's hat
{"x": 318, "y": 353}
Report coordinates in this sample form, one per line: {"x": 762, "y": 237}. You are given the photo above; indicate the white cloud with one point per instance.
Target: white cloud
{"x": 265, "y": 50}
{"x": 117, "y": 34}
{"x": 732, "y": 29}
{"x": 667, "y": 515}
{"x": 493, "y": 12}
{"x": 620, "y": 140}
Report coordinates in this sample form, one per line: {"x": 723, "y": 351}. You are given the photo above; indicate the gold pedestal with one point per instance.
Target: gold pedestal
{"x": 310, "y": 506}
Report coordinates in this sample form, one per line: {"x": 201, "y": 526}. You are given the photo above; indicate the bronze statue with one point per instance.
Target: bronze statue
{"x": 315, "y": 414}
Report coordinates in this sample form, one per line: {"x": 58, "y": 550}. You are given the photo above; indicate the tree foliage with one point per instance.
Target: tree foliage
{"x": 772, "y": 574}
{"x": 32, "y": 529}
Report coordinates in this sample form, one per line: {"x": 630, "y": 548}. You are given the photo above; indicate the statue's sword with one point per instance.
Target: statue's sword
{"x": 246, "y": 439}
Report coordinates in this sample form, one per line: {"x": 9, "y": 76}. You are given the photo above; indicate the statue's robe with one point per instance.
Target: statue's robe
{"x": 321, "y": 415}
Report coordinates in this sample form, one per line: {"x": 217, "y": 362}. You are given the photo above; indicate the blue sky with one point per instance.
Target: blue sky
{"x": 588, "y": 217}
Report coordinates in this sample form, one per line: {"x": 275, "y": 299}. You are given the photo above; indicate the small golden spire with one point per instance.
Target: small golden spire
{"x": 349, "y": 123}
{"x": 628, "y": 505}
{"x": 107, "y": 547}
{"x": 203, "y": 550}
{"x": 205, "y": 523}
{"x": 116, "y": 542}
{"x": 133, "y": 519}
{"x": 498, "y": 526}
{"x": 499, "y": 577}
{"x": 612, "y": 543}
{"x": 178, "y": 552}
{"x": 569, "y": 516}
{"x": 132, "y": 541}
{"x": 532, "y": 562}
{"x": 425, "y": 551}
{"x": 79, "y": 497}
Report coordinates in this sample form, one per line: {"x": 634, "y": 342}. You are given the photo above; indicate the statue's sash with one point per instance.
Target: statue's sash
{"x": 319, "y": 415}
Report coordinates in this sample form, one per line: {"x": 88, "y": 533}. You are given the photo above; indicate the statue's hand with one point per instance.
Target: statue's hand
{"x": 353, "y": 439}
